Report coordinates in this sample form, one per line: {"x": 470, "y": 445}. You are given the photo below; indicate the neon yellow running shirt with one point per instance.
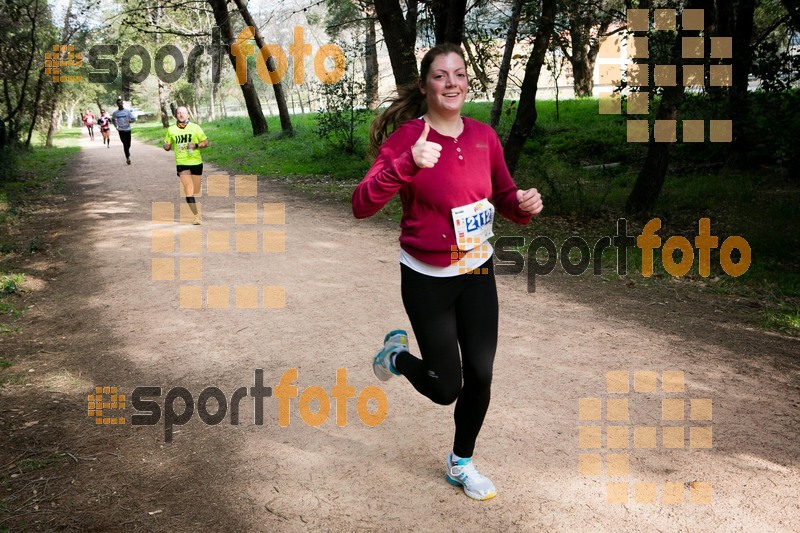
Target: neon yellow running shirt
{"x": 180, "y": 138}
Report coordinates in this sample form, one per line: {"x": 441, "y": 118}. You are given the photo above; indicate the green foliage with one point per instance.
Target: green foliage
{"x": 777, "y": 68}
{"x": 10, "y": 289}
{"x": 345, "y": 108}
{"x": 341, "y": 15}
{"x": 35, "y": 172}
{"x": 782, "y": 319}
{"x": 8, "y": 164}
{"x": 304, "y": 156}
{"x": 11, "y": 284}
{"x": 184, "y": 94}
{"x": 26, "y": 32}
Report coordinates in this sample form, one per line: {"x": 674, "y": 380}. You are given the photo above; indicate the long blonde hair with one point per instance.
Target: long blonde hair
{"x": 410, "y": 102}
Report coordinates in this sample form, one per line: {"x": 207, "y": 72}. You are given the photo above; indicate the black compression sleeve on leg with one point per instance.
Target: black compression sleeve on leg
{"x": 190, "y": 200}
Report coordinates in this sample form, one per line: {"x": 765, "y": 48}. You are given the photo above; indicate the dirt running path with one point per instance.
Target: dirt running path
{"x": 104, "y": 321}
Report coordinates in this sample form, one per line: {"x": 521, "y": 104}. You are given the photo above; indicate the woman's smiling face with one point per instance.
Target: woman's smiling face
{"x": 445, "y": 88}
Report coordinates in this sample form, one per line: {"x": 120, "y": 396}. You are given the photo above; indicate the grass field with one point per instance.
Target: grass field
{"x": 585, "y": 168}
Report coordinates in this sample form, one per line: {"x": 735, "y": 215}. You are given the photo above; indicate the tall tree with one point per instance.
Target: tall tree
{"x": 742, "y": 38}
{"x": 651, "y": 177}
{"x": 66, "y": 37}
{"x": 400, "y": 36}
{"x": 154, "y": 14}
{"x": 36, "y": 107}
{"x": 358, "y": 16}
{"x": 25, "y": 29}
{"x": 371, "y": 70}
{"x": 585, "y": 23}
{"x": 280, "y": 98}
{"x": 448, "y": 16}
{"x": 252, "y": 103}
{"x": 505, "y": 64}
{"x": 525, "y": 119}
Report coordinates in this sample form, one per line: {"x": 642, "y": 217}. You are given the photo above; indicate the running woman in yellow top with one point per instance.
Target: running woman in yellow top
{"x": 186, "y": 139}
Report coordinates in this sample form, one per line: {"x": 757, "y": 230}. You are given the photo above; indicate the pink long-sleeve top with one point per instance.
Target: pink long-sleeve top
{"x": 471, "y": 167}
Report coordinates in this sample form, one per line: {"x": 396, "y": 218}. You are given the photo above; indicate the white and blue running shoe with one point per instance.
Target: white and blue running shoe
{"x": 462, "y": 473}
{"x": 395, "y": 341}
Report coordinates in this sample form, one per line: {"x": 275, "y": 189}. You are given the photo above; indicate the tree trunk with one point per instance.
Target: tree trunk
{"x": 212, "y": 108}
{"x": 280, "y": 97}
{"x": 400, "y": 36}
{"x": 57, "y": 86}
{"x": 505, "y": 64}
{"x": 583, "y": 83}
{"x": 651, "y": 178}
{"x": 267, "y": 104}
{"x": 71, "y": 112}
{"x": 526, "y": 112}
{"x": 300, "y": 100}
{"x": 253, "y": 105}
{"x": 162, "y": 104}
{"x": 198, "y": 97}
{"x": 448, "y": 16}
{"x": 582, "y": 71}
{"x": 371, "y": 72}
{"x": 739, "y": 107}
{"x": 583, "y": 48}
{"x": 36, "y": 102}
{"x": 53, "y": 127}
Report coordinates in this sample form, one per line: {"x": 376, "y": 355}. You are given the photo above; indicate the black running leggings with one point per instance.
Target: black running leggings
{"x": 447, "y": 313}
{"x": 125, "y": 137}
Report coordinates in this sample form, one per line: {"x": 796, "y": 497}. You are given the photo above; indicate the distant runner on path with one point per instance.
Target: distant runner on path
{"x": 105, "y": 125}
{"x": 186, "y": 139}
{"x": 88, "y": 121}
{"x": 122, "y": 119}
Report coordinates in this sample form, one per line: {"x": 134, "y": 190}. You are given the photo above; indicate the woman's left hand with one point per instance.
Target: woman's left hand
{"x": 530, "y": 201}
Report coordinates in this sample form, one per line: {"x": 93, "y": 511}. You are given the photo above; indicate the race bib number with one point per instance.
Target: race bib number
{"x": 473, "y": 224}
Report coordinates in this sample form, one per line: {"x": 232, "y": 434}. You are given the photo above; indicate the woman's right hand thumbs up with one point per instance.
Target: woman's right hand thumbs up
{"x": 426, "y": 153}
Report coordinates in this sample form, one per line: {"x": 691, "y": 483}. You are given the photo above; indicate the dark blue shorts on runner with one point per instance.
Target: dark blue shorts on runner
{"x": 196, "y": 170}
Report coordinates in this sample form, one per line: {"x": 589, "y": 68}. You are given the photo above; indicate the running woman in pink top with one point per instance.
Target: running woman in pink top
{"x": 451, "y": 176}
